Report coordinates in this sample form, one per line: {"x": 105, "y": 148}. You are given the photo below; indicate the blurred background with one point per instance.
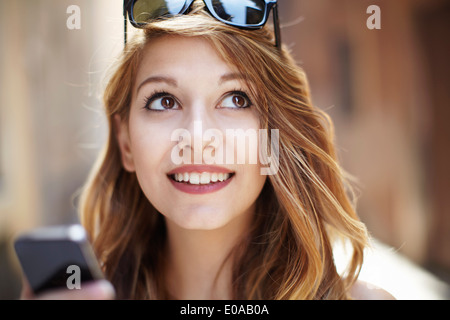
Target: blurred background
{"x": 387, "y": 90}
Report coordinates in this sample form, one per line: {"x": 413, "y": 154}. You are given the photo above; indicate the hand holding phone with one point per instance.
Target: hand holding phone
{"x": 94, "y": 290}
{"x": 59, "y": 262}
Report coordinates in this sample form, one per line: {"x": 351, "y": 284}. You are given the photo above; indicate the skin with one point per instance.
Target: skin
{"x": 200, "y": 82}
{"x": 202, "y": 228}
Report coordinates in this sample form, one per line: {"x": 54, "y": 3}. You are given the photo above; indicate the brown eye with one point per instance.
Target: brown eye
{"x": 161, "y": 101}
{"x": 167, "y": 103}
{"x": 236, "y": 100}
{"x": 239, "y": 101}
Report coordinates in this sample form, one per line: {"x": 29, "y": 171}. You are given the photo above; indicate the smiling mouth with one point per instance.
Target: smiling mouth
{"x": 204, "y": 178}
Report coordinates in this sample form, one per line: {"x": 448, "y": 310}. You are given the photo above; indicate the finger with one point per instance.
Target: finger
{"x": 96, "y": 290}
{"x": 27, "y": 292}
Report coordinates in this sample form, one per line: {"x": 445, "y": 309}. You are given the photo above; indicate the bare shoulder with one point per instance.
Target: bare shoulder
{"x": 365, "y": 291}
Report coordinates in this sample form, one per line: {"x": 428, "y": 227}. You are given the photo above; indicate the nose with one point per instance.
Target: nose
{"x": 203, "y": 130}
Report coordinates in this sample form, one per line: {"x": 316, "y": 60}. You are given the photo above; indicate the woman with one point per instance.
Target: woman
{"x": 166, "y": 222}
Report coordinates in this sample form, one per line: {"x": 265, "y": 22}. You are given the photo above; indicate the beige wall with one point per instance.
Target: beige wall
{"x": 51, "y": 124}
{"x": 381, "y": 90}
{"x": 50, "y": 103}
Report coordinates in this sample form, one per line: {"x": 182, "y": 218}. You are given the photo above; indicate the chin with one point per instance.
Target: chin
{"x": 201, "y": 219}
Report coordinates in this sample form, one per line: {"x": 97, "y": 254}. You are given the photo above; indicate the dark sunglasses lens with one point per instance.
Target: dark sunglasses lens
{"x": 240, "y": 12}
{"x": 146, "y": 10}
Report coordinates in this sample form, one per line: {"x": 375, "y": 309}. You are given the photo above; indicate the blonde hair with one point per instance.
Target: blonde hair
{"x": 289, "y": 252}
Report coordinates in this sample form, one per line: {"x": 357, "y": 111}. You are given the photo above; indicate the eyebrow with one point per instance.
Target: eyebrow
{"x": 170, "y": 81}
{"x": 231, "y": 77}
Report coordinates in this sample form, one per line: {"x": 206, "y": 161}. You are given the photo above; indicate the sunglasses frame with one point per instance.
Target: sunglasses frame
{"x": 269, "y": 5}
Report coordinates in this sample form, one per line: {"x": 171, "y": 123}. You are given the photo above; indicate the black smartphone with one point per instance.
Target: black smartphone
{"x": 57, "y": 257}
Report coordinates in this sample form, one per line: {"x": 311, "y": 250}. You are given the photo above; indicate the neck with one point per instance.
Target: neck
{"x": 197, "y": 265}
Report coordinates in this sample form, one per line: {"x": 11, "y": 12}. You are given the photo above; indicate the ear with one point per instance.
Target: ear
{"x": 123, "y": 139}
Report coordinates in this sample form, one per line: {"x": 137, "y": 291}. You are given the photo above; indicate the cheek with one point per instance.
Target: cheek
{"x": 146, "y": 149}
{"x": 150, "y": 146}
{"x": 252, "y": 181}
{"x": 245, "y": 148}
{"x": 241, "y": 139}
{"x": 150, "y": 152}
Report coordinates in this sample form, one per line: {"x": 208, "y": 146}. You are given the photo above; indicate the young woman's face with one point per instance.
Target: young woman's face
{"x": 183, "y": 86}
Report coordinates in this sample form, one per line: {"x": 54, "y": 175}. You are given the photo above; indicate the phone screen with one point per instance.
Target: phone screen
{"x": 57, "y": 257}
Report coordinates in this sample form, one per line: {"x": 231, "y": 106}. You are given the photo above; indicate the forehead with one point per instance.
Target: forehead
{"x": 181, "y": 57}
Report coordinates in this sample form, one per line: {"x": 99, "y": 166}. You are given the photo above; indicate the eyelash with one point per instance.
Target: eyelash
{"x": 159, "y": 94}
{"x": 242, "y": 93}
{"x": 156, "y": 95}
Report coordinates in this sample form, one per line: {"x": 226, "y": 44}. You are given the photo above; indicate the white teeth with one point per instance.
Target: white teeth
{"x": 194, "y": 178}
{"x": 203, "y": 178}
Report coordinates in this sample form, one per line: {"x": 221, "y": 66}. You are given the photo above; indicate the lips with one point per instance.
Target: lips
{"x": 200, "y": 179}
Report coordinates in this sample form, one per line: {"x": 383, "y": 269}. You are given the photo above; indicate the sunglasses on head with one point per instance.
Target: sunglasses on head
{"x": 247, "y": 14}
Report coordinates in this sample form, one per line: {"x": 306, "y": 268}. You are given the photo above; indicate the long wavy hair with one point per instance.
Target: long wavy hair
{"x": 301, "y": 211}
